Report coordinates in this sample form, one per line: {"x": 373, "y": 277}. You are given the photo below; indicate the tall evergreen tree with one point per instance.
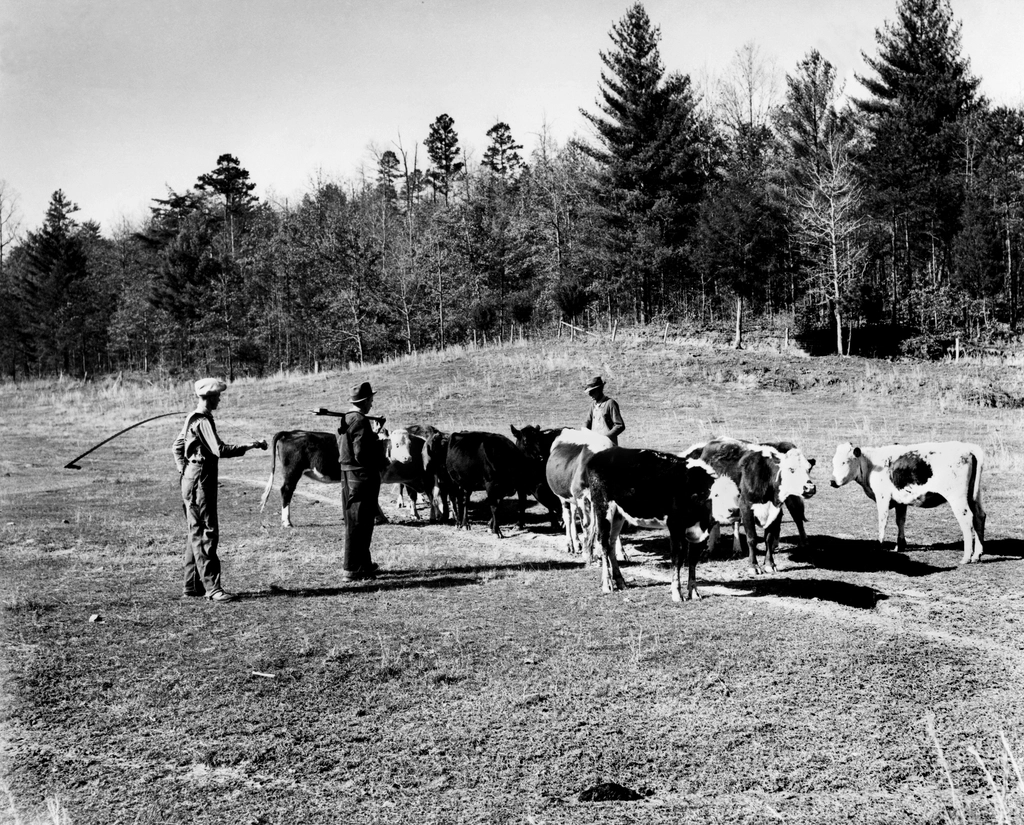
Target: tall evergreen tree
{"x": 443, "y": 149}
{"x": 55, "y": 289}
{"x": 920, "y": 92}
{"x": 502, "y": 156}
{"x": 651, "y": 165}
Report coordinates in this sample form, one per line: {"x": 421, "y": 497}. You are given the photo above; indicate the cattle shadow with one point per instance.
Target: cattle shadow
{"x": 996, "y": 551}
{"x": 821, "y": 552}
{"x": 862, "y": 556}
{"x": 843, "y": 593}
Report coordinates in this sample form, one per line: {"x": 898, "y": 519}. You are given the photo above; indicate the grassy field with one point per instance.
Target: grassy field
{"x": 480, "y": 680}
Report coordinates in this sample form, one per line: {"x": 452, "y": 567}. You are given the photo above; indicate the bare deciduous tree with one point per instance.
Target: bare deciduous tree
{"x": 830, "y": 220}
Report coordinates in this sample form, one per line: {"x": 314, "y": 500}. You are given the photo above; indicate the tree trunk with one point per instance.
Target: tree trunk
{"x": 737, "y": 341}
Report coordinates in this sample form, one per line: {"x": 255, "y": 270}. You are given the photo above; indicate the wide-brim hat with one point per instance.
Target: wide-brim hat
{"x": 363, "y": 392}
{"x": 595, "y": 383}
{"x": 210, "y": 386}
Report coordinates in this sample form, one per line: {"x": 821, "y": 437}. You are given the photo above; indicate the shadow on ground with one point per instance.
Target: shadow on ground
{"x": 393, "y": 580}
{"x": 825, "y": 590}
{"x": 862, "y": 556}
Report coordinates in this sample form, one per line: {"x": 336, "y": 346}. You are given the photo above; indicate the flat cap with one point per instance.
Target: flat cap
{"x": 210, "y": 386}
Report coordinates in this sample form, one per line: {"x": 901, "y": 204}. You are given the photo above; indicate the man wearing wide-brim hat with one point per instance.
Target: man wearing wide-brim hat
{"x": 604, "y": 416}
{"x": 197, "y": 453}
{"x": 362, "y": 457}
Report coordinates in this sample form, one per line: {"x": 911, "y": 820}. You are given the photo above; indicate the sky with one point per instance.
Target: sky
{"x": 115, "y": 101}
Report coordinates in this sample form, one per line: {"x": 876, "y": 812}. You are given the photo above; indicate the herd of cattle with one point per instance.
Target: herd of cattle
{"x": 593, "y": 487}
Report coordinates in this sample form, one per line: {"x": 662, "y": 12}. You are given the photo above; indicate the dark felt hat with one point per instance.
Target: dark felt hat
{"x": 363, "y": 392}
{"x": 596, "y": 383}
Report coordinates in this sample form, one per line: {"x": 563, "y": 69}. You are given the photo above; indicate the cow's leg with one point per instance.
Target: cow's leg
{"x": 414, "y": 498}
{"x": 771, "y": 542}
{"x": 603, "y": 532}
{"x": 618, "y": 582}
{"x": 287, "y": 490}
{"x": 901, "y": 527}
{"x": 494, "y": 499}
{"x": 965, "y": 518}
{"x": 677, "y": 565}
{"x": 569, "y": 521}
{"x": 882, "y": 503}
{"x": 750, "y": 528}
{"x": 522, "y": 509}
{"x": 693, "y": 552}
{"x": 795, "y": 505}
{"x": 978, "y": 521}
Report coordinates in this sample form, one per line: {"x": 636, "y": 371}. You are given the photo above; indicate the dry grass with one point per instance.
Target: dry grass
{"x": 488, "y": 681}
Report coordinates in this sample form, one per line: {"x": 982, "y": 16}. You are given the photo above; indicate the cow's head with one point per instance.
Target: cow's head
{"x": 845, "y": 464}
{"x": 534, "y": 442}
{"x": 795, "y": 475}
{"x": 725, "y": 501}
{"x": 400, "y": 446}
{"x": 708, "y": 498}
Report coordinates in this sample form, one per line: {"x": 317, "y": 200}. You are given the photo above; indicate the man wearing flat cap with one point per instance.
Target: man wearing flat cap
{"x": 604, "y": 416}
{"x": 197, "y": 452}
{"x": 362, "y": 457}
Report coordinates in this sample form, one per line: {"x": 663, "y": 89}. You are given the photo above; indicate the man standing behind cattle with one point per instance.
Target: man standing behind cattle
{"x": 197, "y": 452}
{"x": 362, "y": 458}
{"x": 604, "y": 417}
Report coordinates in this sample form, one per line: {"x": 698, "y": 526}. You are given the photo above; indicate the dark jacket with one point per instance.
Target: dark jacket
{"x": 359, "y": 448}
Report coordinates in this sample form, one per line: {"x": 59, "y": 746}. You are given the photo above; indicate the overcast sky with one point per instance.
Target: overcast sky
{"x": 113, "y": 101}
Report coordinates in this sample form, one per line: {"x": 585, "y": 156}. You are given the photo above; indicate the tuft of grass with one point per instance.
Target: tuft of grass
{"x": 1004, "y": 786}
{"x": 56, "y": 813}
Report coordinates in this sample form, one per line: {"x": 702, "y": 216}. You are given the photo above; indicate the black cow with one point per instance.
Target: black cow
{"x": 536, "y": 445}
{"x": 490, "y": 462}
{"x": 301, "y": 452}
{"x": 435, "y": 456}
{"x": 767, "y": 475}
{"x": 633, "y": 485}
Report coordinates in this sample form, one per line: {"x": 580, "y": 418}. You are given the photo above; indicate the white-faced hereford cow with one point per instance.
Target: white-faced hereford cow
{"x": 490, "y": 462}
{"x": 408, "y": 467}
{"x": 633, "y": 485}
{"x": 569, "y": 452}
{"x": 919, "y": 475}
{"x": 767, "y": 476}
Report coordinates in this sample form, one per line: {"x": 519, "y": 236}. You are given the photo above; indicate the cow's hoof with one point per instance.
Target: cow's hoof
{"x": 693, "y": 596}
{"x": 901, "y": 547}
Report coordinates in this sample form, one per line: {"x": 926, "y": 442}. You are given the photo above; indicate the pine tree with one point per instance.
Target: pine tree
{"x": 652, "y": 171}
{"x": 443, "y": 149}
{"x": 502, "y": 156}
{"x": 920, "y": 93}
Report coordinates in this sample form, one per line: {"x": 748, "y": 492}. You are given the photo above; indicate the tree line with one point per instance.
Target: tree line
{"x": 901, "y": 208}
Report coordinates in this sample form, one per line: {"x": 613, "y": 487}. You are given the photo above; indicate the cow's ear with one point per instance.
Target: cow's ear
{"x": 515, "y": 432}
{"x": 856, "y": 452}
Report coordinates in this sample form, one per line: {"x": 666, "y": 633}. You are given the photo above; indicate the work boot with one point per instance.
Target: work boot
{"x": 221, "y": 596}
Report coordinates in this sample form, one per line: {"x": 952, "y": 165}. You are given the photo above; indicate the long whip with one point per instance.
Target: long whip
{"x": 72, "y": 465}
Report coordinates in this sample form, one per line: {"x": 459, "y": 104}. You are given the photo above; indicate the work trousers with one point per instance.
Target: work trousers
{"x": 199, "y": 495}
{"x": 359, "y": 491}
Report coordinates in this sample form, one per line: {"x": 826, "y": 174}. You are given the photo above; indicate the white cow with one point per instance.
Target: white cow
{"x": 919, "y": 475}
{"x": 569, "y": 452}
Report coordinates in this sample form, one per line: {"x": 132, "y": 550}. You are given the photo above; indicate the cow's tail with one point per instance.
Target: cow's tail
{"x": 979, "y": 460}
{"x": 273, "y": 466}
